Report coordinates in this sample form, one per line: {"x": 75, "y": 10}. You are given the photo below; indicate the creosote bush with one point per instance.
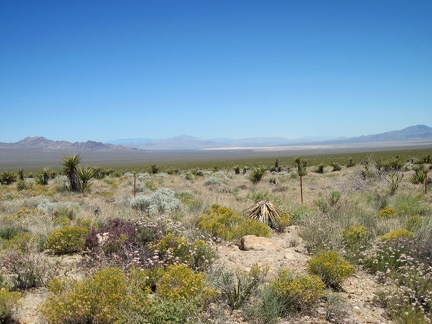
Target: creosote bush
{"x": 331, "y": 268}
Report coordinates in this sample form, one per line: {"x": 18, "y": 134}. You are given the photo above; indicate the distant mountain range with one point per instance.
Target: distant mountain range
{"x": 412, "y": 133}
{"x": 46, "y": 145}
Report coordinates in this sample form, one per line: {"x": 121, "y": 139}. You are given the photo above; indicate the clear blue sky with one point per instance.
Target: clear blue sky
{"x": 102, "y": 70}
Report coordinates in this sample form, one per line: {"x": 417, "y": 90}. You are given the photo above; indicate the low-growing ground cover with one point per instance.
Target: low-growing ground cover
{"x": 171, "y": 254}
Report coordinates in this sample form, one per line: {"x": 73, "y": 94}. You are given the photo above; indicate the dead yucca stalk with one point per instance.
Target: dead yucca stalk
{"x": 268, "y": 213}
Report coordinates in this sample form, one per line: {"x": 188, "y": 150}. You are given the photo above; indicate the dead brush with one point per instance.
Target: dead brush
{"x": 268, "y": 213}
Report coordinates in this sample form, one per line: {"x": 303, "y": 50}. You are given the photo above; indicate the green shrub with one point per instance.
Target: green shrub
{"x": 8, "y": 302}
{"x": 408, "y": 205}
{"x": 60, "y": 221}
{"x": 23, "y": 241}
{"x": 226, "y": 224}
{"x": 297, "y": 291}
{"x": 401, "y": 233}
{"x": 268, "y": 309}
{"x": 387, "y": 213}
{"x": 9, "y": 231}
{"x": 334, "y": 197}
{"x": 66, "y": 211}
{"x": 413, "y": 223}
{"x": 236, "y": 288}
{"x": 257, "y": 196}
{"x": 331, "y": 268}
{"x": 68, "y": 239}
{"x": 151, "y": 186}
{"x": 250, "y": 227}
{"x": 161, "y": 311}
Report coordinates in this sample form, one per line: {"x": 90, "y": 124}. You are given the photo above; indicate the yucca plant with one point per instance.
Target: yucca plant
{"x": 45, "y": 176}
{"x": 302, "y": 171}
{"x": 268, "y": 213}
{"x": 419, "y": 176}
{"x": 7, "y": 177}
{"x": 154, "y": 169}
{"x": 21, "y": 174}
{"x": 70, "y": 165}
{"x": 85, "y": 175}
{"x": 256, "y": 175}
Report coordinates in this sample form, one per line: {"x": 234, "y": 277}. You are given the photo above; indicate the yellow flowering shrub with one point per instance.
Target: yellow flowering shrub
{"x": 171, "y": 295}
{"x": 400, "y": 233}
{"x": 226, "y": 224}
{"x": 179, "y": 281}
{"x": 67, "y": 239}
{"x": 100, "y": 298}
{"x": 331, "y": 268}
{"x": 387, "y": 213}
{"x": 298, "y": 291}
{"x": 354, "y": 235}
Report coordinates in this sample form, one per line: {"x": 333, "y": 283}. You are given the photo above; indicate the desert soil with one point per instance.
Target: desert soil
{"x": 282, "y": 250}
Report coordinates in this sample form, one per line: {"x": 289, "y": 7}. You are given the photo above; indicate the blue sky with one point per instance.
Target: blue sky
{"x": 103, "y": 70}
